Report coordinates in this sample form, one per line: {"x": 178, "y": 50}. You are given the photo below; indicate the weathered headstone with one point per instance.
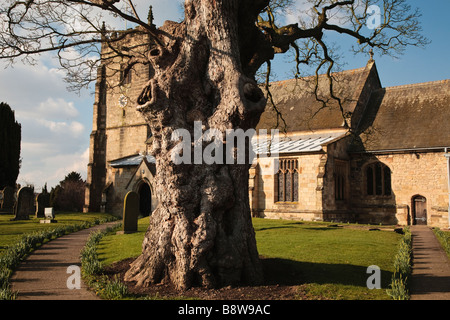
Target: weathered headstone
{"x": 7, "y": 203}
{"x": 130, "y": 212}
{"x": 25, "y": 204}
{"x": 42, "y": 201}
{"x": 49, "y": 214}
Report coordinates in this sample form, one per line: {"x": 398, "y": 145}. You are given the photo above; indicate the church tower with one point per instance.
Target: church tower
{"x": 120, "y": 135}
{"x": 96, "y": 170}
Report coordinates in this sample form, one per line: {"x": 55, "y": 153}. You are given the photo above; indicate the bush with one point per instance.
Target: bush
{"x": 402, "y": 265}
{"x": 114, "y": 289}
{"x": 111, "y": 289}
{"x": 89, "y": 259}
{"x": 69, "y": 194}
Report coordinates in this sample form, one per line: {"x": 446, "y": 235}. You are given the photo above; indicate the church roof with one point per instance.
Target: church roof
{"x": 295, "y": 144}
{"x": 407, "y": 117}
{"x": 133, "y": 160}
{"x": 302, "y": 111}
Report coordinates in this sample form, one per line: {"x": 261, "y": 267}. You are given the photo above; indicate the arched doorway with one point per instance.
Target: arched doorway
{"x": 145, "y": 199}
{"x": 419, "y": 210}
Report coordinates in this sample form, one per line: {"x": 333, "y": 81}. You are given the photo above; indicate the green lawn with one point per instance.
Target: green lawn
{"x": 325, "y": 262}
{"x": 328, "y": 262}
{"x": 117, "y": 247}
{"x": 11, "y": 231}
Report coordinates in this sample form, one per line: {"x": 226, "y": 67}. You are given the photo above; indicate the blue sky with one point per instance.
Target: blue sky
{"x": 416, "y": 65}
{"x": 56, "y": 124}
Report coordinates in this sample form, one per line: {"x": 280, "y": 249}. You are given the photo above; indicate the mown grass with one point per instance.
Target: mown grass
{"x": 117, "y": 247}
{"x": 444, "y": 239}
{"x": 325, "y": 262}
{"x": 329, "y": 262}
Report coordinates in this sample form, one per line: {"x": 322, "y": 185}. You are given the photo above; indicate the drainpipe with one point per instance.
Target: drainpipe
{"x": 447, "y": 155}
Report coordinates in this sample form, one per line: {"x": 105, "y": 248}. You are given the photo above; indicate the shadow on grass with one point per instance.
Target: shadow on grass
{"x": 273, "y": 228}
{"x": 290, "y": 272}
{"x": 288, "y": 226}
{"x": 322, "y": 228}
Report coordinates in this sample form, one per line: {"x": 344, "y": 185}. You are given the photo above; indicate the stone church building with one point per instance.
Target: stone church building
{"x": 390, "y": 168}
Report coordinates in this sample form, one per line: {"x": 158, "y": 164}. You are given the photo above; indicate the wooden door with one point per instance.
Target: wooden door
{"x": 420, "y": 210}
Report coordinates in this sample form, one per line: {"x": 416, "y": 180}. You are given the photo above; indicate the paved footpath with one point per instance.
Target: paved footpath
{"x": 430, "y": 279}
{"x": 43, "y": 274}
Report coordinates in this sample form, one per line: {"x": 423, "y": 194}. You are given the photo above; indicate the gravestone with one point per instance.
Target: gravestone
{"x": 25, "y": 204}
{"x": 42, "y": 201}
{"x": 7, "y": 203}
{"x": 49, "y": 214}
{"x": 130, "y": 212}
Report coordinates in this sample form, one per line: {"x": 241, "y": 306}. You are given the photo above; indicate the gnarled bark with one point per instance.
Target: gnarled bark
{"x": 201, "y": 232}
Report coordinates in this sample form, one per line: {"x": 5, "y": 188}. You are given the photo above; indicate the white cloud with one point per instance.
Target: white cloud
{"x": 56, "y": 123}
{"x": 72, "y": 129}
{"x": 53, "y": 168}
{"x": 298, "y": 12}
{"x": 57, "y": 109}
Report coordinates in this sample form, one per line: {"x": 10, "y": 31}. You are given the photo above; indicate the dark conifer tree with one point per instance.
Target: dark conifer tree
{"x": 10, "y": 137}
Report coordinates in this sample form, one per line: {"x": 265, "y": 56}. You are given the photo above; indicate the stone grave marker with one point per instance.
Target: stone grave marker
{"x": 130, "y": 212}
{"x": 7, "y": 203}
{"x": 25, "y": 204}
{"x": 42, "y": 201}
{"x": 49, "y": 214}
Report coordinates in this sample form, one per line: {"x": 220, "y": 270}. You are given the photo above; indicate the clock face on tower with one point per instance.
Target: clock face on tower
{"x": 123, "y": 101}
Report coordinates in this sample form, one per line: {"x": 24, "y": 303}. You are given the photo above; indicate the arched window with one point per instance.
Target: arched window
{"x": 378, "y": 180}
{"x": 340, "y": 178}
{"x": 286, "y": 181}
{"x": 125, "y": 76}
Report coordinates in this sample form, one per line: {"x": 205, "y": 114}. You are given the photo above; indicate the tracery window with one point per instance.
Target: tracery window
{"x": 378, "y": 180}
{"x": 287, "y": 181}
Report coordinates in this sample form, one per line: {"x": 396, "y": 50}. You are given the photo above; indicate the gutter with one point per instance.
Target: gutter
{"x": 434, "y": 149}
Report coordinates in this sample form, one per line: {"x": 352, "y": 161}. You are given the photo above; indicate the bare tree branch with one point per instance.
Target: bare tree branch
{"x": 29, "y": 28}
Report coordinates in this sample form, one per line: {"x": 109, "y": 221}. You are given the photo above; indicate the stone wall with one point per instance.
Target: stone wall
{"x": 337, "y": 163}
{"x": 412, "y": 174}
{"x": 309, "y": 206}
{"x": 125, "y": 179}
{"x": 119, "y": 130}
{"x": 126, "y": 141}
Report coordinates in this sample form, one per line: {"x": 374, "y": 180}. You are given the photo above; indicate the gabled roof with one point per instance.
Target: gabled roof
{"x": 407, "y": 117}
{"x": 133, "y": 160}
{"x": 302, "y": 111}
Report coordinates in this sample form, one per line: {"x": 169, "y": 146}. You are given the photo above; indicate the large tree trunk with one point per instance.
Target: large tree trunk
{"x": 201, "y": 232}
